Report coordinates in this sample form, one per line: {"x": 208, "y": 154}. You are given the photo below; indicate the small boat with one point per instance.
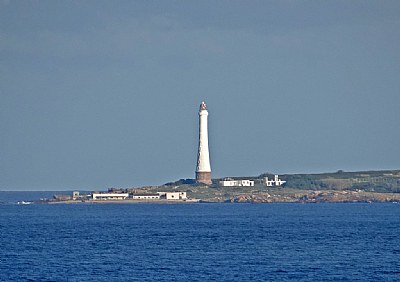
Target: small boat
{"x": 24, "y": 203}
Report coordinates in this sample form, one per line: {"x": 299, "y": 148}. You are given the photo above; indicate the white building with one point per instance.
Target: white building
{"x": 110, "y": 196}
{"x": 147, "y": 196}
{"x": 274, "y": 182}
{"x": 75, "y": 195}
{"x": 228, "y": 182}
{"x": 173, "y": 195}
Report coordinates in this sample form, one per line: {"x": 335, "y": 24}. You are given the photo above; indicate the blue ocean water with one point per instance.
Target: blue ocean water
{"x": 12, "y": 197}
{"x": 200, "y": 242}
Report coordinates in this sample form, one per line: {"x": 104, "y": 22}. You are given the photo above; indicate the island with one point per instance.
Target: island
{"x": 337, "y": 187}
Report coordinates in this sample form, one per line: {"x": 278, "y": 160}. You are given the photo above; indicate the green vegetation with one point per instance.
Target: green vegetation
{"x": 387, "y": 181}
{"x": 340, "y": 186}
{"x": 370, "y": 181}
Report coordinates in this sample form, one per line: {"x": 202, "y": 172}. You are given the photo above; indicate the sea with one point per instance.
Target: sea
{"x": 199, "y": 242}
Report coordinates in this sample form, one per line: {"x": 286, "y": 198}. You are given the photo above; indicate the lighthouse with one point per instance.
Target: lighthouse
{"x": 203, "y": 169}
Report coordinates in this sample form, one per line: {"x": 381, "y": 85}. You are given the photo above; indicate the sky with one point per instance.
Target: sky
{"x": 100, "y": 94}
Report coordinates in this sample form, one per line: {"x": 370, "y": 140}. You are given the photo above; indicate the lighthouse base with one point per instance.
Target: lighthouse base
{"x": 203, "y": 177}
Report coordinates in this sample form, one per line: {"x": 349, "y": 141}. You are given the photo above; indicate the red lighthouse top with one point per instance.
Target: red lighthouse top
{"x": 203, "y": 106}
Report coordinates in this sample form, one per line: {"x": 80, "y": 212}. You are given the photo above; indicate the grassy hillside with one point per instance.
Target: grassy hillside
{"x": 387, "y": 181}
{"x": 384, "y": 181}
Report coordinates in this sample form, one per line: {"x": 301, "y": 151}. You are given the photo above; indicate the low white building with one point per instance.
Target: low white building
{"x": 228, "y": 182}
{"x": 173, "y": 195}
{"x": 109, "y": 196}
{"x": 146, "y": 196}
{"x": 75, "y": 195}
{"x": 274, "y": 182}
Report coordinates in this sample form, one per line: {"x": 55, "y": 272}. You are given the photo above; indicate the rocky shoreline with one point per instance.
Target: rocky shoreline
{"x": 317, "y": 197}
{"x": 190, "y": 201}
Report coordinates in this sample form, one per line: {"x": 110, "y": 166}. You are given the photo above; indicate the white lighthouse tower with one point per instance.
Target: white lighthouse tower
{"x": 203, "y": 169}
